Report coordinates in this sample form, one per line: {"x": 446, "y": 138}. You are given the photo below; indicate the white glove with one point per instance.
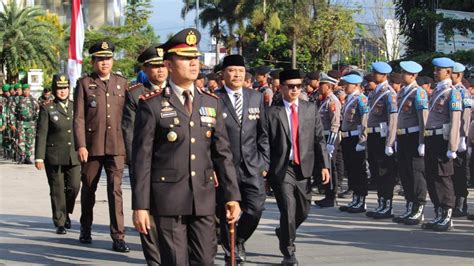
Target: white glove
{"x": 421, "y": 150}
{"x": 469, "y": 150}
{"x": 462, "y": 144}
{"x": 360, "y": 147}
{"x": 388, "y": 151}
{"x": 451, "y": 155}
{"x": 330, "y": 149}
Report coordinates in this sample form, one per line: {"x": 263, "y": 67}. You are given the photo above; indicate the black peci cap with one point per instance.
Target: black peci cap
{"x": 290, "y": 74}
{"x": 233, "y": 60}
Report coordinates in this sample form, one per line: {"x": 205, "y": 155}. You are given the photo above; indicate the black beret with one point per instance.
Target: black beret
{"x": 428, "y": 80}
{"x": 262, "y": 70}
{"x": 233, "y": 60}
{"x": 290, "y": 74}
{"x": 183, "y": 43}
{"x": 313, "y": 75}
{"x": 275, "y": 74}
{"x": 102, "y": 49}
{"x": 420, "y": 80}
{"x": 60, "y": 81}
{"x": 213, "y": 76}
{"x": 369, "y": 78}
{"x": 334, "y": 74}
{"x": 395, "y": 78}
{"x": 153, "y": 55}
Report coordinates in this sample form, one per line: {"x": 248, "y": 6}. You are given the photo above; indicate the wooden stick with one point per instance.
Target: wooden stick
{"x": 232, "y": 243}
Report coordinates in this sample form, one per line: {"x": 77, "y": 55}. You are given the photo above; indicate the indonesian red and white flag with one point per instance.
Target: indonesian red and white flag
{"x": 76, "y": 43}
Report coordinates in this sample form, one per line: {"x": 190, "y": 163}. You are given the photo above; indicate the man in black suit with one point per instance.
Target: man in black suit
{"x": 243, "y": 113}
{"x": 178, "y": 142}
{"x": 297, "y": 152}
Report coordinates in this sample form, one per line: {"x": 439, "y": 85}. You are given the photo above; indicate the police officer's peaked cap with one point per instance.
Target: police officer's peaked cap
{"x": 411, "y": 67}
{"x": 262, "y": 70}
{"x": 290, "y": 74}
{"x": 17, "y": 86}
{"x": 60, "y": 81}
{"x": 352, "y": 79}
{"x": 152, "y": 55}
{"x": 395, "y": 78}
{"x": 233, "y": 60}
{"x": 381, "y": 67}
{"x": 313, "y": 75}
{"x": 183, "y": 43}
{"x": 102, "y": 49}
{"x": 325, "y": 78}
{"x": 458, "y": 68}
{"x": 443, "y": 62}
{"x": 5, "y": 87}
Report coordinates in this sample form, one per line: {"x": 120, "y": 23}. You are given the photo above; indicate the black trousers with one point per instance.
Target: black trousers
{"x": 293, "y": 198}
{"x": 187, "y": 240}
{"x": 354, "y": 162}
{"x": 252, "y": 190}
{"x": 340, "y": 169}
{"x": 90, "y": 177}
{"x": 381, "y": 166}
{"x": 150, "y": 247}
{"x": 411, "y": 167}
{"x": 64, "y": 183}
{"x": 461, "y": 170}
{"x": 439, "y": 172}
{"x": 330, "y": 189}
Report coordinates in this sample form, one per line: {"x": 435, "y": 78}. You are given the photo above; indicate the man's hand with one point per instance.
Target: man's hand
{"x": 39, "y": 165}
{"x": 232, "y": 211}
{"x": 141, "y": 221}
{"x": 264, "y": 173}
{"x": 83, "y": 154}
{"x": 325, "y": 176}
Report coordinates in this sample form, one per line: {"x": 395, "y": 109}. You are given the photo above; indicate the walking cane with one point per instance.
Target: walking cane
{"x": 232, "y": 243}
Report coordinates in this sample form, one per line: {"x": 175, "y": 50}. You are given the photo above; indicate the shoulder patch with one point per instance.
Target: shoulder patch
{"x": 149, "y": 95}
{"x": 207, "y": 93}
{"x": 455, "y": 102}
{"x": 362, "y": 103}
{"x": 135, "y": 86}
{"x": 421, "y": 99}
{"x": 392, "y": 102}
{"x": 466, "y": 97}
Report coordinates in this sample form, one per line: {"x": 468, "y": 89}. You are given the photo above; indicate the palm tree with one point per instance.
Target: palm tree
{"x": 26, "y": 41}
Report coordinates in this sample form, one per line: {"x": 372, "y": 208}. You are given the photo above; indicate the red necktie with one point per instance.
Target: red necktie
{"x": 294, "y": 134}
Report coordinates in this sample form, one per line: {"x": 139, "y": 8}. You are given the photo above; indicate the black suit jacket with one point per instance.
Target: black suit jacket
{"x": 54, "y": 135}
{"x": 249, "y": 140}
{"x": 312, "y": 145}
{"x": 175, "y": 176}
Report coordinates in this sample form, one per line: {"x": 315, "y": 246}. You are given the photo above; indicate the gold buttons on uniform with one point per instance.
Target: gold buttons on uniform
{"x": 108, "y": 105}
{"x": 68, "y": 131}
{"x": 68, "y": 118}
{"x": 193, "y": 157}
{"x": 107, "y": 94}
{"x": 193, "y": 173}
{"x": 108, "y": 116}
{"x": 191, "y": 123}
{"x": 210, "y": 178}
{"x": 69, "y": 143}
{"x": 193, "y": 140}
{"x": 89, "y": 129}
{"x": 163, "y": 178}
{"x": 109, "y": 127}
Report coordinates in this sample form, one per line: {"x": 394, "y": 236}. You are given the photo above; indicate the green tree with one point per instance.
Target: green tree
{"x": 27, "y": 41}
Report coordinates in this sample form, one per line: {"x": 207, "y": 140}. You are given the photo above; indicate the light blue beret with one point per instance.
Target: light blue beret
{"x": 411, "y": 67}
{"x": 352, "y": 79}
{"x": 443, "y": 62}
{"x": 381, "y": 67}
{"x": 458, "y": 67}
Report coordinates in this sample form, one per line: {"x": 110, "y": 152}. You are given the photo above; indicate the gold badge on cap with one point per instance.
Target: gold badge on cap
{"x": 208, "y": 134}
{"x": 172, "y": 136}
{"x": 160, "y": 52}
{"x": 62, "y": 78}
{"x": 191, "y": 39}
{"x": 104, "y": 45}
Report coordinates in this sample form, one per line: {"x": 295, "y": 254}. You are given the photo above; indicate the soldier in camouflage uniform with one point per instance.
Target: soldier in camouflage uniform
{"x": 15, "y": 93}
{"x": 25, "y": 112}
{"x": 3, "y": 117}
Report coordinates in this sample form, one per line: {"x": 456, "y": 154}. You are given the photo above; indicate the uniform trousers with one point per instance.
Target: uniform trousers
{"x": 411, "y": 167}
{"x": 381, "y": 166}
{"x": 90, "y": 177}
{"x": 439, "y": 172}
{"x": 354, "y": 162}
{"x": 293, "y": 198}
{"x": 64, "y": 183}
{"x": 461, "y": 170}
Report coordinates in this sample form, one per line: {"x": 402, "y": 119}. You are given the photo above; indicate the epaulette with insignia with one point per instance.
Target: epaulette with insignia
{"x": 137, "y": 85}
{"x": 149, "y": 95}
{"x": 207, "y": 93}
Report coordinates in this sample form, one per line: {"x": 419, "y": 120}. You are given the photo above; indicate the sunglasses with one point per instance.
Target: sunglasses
{"x": 294, "y": 86}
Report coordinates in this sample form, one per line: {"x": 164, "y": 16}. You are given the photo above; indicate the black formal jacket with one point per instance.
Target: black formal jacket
{"x": 312, "y": 145}
{"x": 54, "y": 135}
{"x": 249, "y": 140}
{"x": 174, "y": 156}
{"x": 129, "y": 111}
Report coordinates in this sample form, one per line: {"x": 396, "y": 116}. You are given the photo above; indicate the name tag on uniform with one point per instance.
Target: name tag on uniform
{"x": 92, "y": 86}
{"x": 168, "y": 114}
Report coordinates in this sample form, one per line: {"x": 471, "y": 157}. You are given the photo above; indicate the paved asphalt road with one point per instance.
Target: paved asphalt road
{"x": 328, "y": 237}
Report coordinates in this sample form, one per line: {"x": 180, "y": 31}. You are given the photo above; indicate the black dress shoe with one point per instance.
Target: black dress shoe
{"x": 289, "y": 260}
{"x": 325, "y": 203}
{"x": 67, "y": 224}
{"x": 120, "y": 246}
{"x": 345, "y": 195}
{"x": 85, "y": 236}
{"x": 240, "y": 251}
{"x": 61, "y": 230}
{"x": 28, "y": 161}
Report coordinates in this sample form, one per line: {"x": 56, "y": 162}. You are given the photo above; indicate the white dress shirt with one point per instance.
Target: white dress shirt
{"x": 231, "y": 94}
{"x": 288, "y": 115}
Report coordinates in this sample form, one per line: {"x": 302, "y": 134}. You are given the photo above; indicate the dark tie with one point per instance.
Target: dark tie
{"x": 188, "y": 103}
{"x": 238, "y": 105}
{"x": 294, "y": 133}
